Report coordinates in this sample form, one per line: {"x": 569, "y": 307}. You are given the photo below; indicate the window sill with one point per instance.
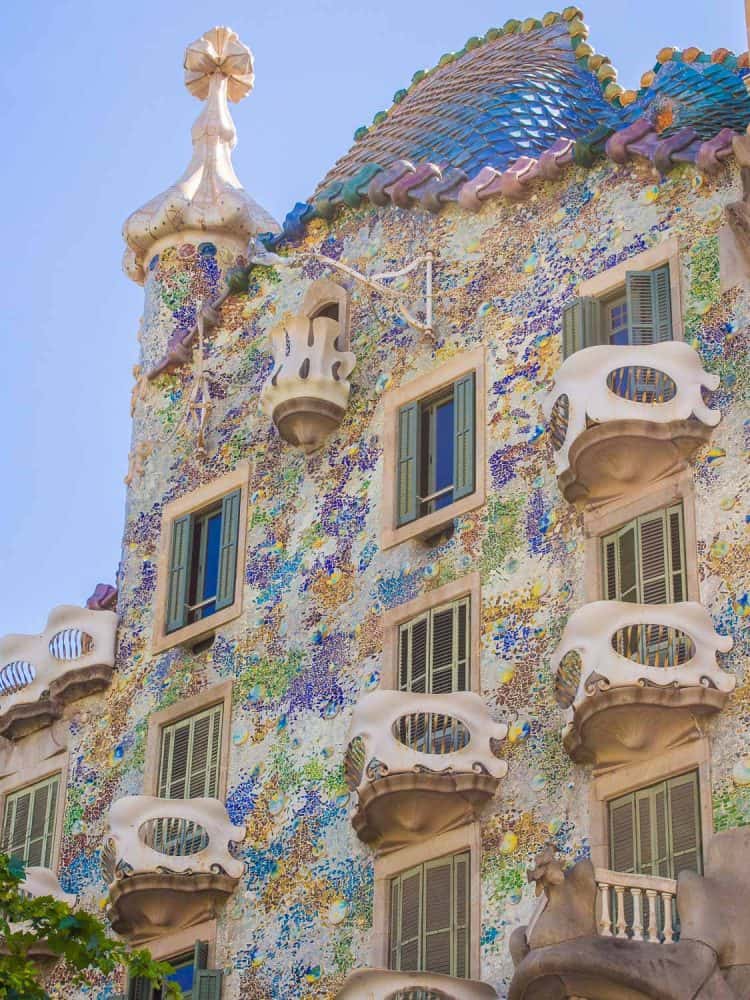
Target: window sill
{"x": 197, "y": 630}
{"x": 429, "y": 525}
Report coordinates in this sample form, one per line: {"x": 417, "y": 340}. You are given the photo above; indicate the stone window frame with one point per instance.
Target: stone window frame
{"x": 157, "y": 721}
{"x": 418, "y": 388}
{"x": 200, "y": 498}
{"x": 693, "y": 756}
{"x": 180, "y": 942}
{"x": 467, "y": 586}
{"x": 607, "y": 283}
{"x": 599, "y": 522}
{"x": 464, "y": 838}
{"x": 18, "y": 780}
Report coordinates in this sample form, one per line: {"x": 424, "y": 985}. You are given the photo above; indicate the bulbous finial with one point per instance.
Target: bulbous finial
{"x": 208, "y": 198}
{"x": 219, "y": 51}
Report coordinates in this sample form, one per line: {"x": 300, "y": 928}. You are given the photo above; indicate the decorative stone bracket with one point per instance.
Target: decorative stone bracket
{"x": 308, "y": 391}
{"x": 72, "y": 658}
{"x": 631, "y": 676}
{"x": 382, "y": 984}
{"x": 641, "y": 399}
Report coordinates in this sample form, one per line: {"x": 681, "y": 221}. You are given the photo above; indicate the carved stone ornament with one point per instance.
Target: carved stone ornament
{"x": 168, "y": 863}
{"x": 72, "y": 658}
{"x": 608, "y": 934}
{"x": 647, "y": 671}
{"x": 383, "y": 984}
{"x": 623, "y": 416}
{"x": 208, "y": 198}
{"x": 421, "y": 764}
{"x": 307, "y": 393}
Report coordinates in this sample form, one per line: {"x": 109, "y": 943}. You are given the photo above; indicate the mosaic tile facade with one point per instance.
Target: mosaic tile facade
{"x": 317, "y": 583}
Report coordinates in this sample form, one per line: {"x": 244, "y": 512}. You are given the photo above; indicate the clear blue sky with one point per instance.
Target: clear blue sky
{"x": 96, "y": 121}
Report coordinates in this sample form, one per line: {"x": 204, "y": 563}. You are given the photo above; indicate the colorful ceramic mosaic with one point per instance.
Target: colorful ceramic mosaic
{"x": 317, "y": 582}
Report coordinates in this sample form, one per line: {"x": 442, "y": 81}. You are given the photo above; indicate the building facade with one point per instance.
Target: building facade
{"x": 424, "y": 673}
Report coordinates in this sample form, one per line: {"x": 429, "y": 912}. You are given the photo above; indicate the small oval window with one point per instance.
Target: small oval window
{"x": 558, "y": 421}
{"x": 654, "y": 645}
{"x": 641, "y": 384}
{"x": 428, "y": 732}
{"x": 173, "y": 836}
{"x": 15, "y": 676}
{"x": 70, "y": 644}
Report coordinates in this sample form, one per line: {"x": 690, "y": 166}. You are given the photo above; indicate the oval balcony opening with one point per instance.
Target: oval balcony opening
{"x": 429, "y": 732}
{"x": 70, "y": 644}
{"x": 653, "y": 645}
{"x": 558, "y": 421}
{"x": 568, "y": 678}
{"x": 174, "y": 837}
{"x": 418, "y": 994}
{"x": 642, "y": 384}
{"x": 15, "y": 676}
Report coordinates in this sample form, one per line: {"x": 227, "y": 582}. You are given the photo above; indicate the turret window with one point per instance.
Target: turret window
{"x": 200, "y": 565}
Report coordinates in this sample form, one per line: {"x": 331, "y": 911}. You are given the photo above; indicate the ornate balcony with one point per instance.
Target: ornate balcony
{"x": 632, "y": 678}
{"x": 381, "y": 984}
{"x": 307, "y": 393}
{"x": 168, "y": 863}
{"x": 421, "y": 764}
{"x": 72, "y": 658}
{"x": 621, "y": 417}
{"x": 604, "y": 934}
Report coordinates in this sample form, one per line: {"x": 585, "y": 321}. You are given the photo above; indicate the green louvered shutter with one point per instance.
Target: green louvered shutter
{"x": 408, "y": 463}
{"x": 230, "y": 526}
{"x": 622, "y": 842}
{"x": 438, "y": 916}
{"x": 649, "y": 306}
{"x": 207, "y": 984}
{"x": 200, "y": 955}
{"x": 139, "y": 988}
{"x": 190, "y": 756}
{"x": 430, "y": 918}
{"x": 464, "y": 453}
{"x": 179, "y": 570}
{"x": 406, "y": 951}
{"x": 684, "y": 824}
{"x": 29, "y": 823}
{"x": 582, "y": 325}
{"x": 656, "y": 830}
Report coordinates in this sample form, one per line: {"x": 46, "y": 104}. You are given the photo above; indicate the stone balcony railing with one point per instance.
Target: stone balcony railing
{"x": 420, "y": 764}
{"x": 382, "y": 984}
{"x": 636, "y": 907}
{"x": 622, "y": 416}
{"x": 72, "y": 658}
{"x": 632, "y": 678}
{"x": 168, "y": 863}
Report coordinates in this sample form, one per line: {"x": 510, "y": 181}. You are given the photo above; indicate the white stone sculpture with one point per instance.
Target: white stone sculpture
{"x": 308, "y": 390}
{"x": 632, "y": 439}
{"x": 133, "y": 817}
{"x": 590, "y": 632}
{"x": 73, "y": 657}
{"x": 208, "y": 198}
{"x": 382, "y": 984}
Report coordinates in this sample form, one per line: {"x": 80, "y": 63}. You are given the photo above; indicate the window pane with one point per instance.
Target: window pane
{"x": 628, "y": 570}
{"x": 618, "y": 321}
{"x": 211, "y": 570}
{"x": 183, "y": 972}
{"x": 443, "y": 454}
